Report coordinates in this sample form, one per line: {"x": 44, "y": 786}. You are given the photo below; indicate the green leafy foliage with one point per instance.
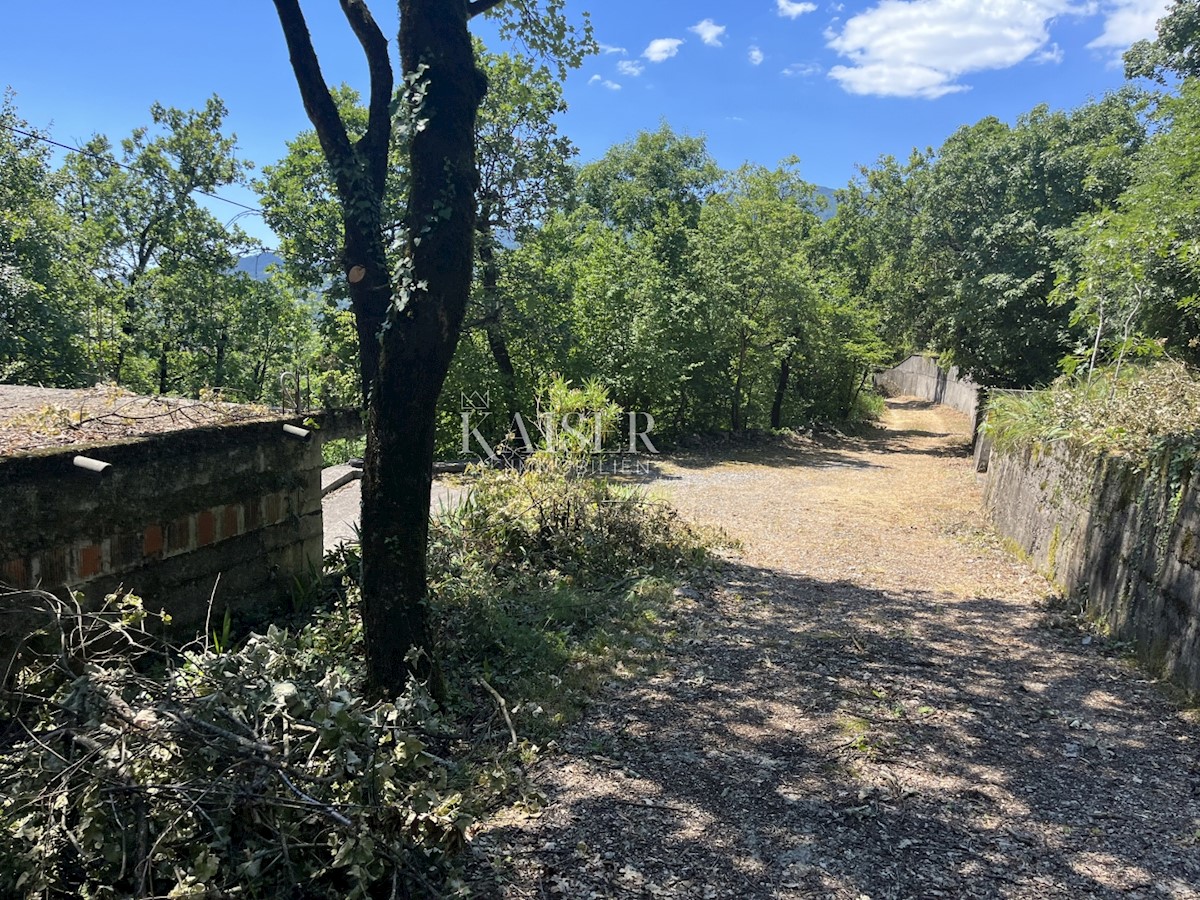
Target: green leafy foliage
{"x": 147, "y": 772}
{"x": 702, "y": 298}
{"x": 1132, "y": 276}
{"x": 1130, "y": 412}
{"x": 41, "y": 308}
{"x": 993, "y": 206}
{"x": 543, "y": 582}
{"x": 112, "y": 270}
{"x": 1175, "y": 49}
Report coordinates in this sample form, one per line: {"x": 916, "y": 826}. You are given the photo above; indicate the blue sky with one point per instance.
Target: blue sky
{"x": 836, "y": 84}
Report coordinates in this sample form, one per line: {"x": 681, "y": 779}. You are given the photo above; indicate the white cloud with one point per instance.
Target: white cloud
{"x": 802, "y": 70}
{"x": 1127, "y": 21}
{"x": 662, "y": 49}
{"x": 604, "y": 82}
{"x": 883, "y": 80}
{"x": 791, "y": 10}
{"x": 919, "y": 48}
{"x": 1052, "y": 54}
{"x": 709, "y": 31}
{"x": 608, "y": 48}
{"x": 631, "y": 68}
{"x": 756, "y": 56}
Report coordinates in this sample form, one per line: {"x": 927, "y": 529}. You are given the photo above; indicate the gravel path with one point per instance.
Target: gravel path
{"x": 342, "y": 508}
{"x": 875, "y": 700}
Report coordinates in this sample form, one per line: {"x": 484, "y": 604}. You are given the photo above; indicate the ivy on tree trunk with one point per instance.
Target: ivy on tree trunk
{"x": 409, "y": 322}
{"x": 408, "y": 330}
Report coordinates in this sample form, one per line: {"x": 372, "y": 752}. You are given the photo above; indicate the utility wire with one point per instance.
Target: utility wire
{"x": 105, "y": 159}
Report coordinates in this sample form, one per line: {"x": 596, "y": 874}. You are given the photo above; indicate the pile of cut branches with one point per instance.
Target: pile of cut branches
{"x": 137, "y": 770}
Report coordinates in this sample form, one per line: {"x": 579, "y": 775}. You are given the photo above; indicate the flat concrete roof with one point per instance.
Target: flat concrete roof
{"x": 38, "y": 418}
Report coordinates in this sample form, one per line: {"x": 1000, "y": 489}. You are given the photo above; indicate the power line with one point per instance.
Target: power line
{"x": 105, "y": 159}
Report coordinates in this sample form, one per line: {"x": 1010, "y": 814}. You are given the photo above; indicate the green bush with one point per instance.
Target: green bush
{"x": 868, "y": 407}
{"x": 543, "y": 581}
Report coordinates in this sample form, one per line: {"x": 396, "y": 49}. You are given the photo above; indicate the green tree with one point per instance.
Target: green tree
{"x": 524, "y": 173}
{"x": 409, "y": 320}
{"x": 1175, "y": 49}
{"x": 750, "y": 264}
{"x": 870, "y": 245}
{"x": 1133, "y": 276}
{"x": 300, "y": 203}
{"x": 40, "y": 304}
{"x": 621, "y": 261}
{"x": 138, "y": 220}
{"x": 992, "y": 213}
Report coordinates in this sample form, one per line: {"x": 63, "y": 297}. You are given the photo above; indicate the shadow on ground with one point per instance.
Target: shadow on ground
{"x": 821, "y": 739}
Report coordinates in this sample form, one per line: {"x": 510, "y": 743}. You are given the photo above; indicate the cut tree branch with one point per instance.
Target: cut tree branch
{"x": 314, "y": 91}
{"x": 374, "y": 143}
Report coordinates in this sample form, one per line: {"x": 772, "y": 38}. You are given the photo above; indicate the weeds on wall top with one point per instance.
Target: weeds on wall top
{"x": 1136, "y": 413}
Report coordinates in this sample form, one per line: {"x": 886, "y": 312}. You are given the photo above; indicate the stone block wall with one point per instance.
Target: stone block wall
{"x": 920, "y": 376}
{"x": 231, "y": 513}
{"x": 1124, "y": 540}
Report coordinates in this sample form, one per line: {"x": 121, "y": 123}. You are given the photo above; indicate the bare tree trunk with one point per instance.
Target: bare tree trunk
{"x": 1096, "y": 344}
{"x": 862, "y": 383}
{"x": 785, "y": 372}
{"x": 493, "y": 312}
{"x": 162, "y": 370}
{"x": 407, "y": 332}
{"x": 1125, "y": 335}
{"x": 735, "y": 412}
{"x": 218, "y": 379}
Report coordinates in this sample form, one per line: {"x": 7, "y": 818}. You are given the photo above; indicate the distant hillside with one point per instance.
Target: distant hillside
{"x": 828, "y": 194}
{"x": 256, "y": 266}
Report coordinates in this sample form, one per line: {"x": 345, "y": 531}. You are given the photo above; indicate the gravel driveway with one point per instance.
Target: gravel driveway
{"x": 874, "y": 701}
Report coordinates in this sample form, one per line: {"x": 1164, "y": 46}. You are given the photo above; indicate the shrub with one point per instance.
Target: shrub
{"x": 542, "y": 581}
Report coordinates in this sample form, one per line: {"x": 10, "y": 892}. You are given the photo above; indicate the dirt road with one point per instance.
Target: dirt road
{"x": 876, "y": 700}
{"x": 342, "y": 509}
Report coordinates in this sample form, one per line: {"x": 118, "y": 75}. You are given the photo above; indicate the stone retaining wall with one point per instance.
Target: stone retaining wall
{"x": 920, "y": 376}
{"x": 1126, "y": 542}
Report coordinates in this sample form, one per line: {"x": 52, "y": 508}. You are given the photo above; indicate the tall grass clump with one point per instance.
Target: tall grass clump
{"x": 544, "y": 578}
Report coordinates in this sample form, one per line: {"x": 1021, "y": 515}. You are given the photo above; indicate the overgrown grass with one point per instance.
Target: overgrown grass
{"x": 141, "y": 770}
{"x": 340, "y": 451}
{"x": 543, "y": 583}
{"x": 1129, "y": 414}
{"x": 868, "y": 406}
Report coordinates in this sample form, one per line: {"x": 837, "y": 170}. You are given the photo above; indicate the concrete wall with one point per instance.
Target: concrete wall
{"x": 177, "y": 510}
{"x": 919, "y": 376}
{"x": 1126, "y": 542}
